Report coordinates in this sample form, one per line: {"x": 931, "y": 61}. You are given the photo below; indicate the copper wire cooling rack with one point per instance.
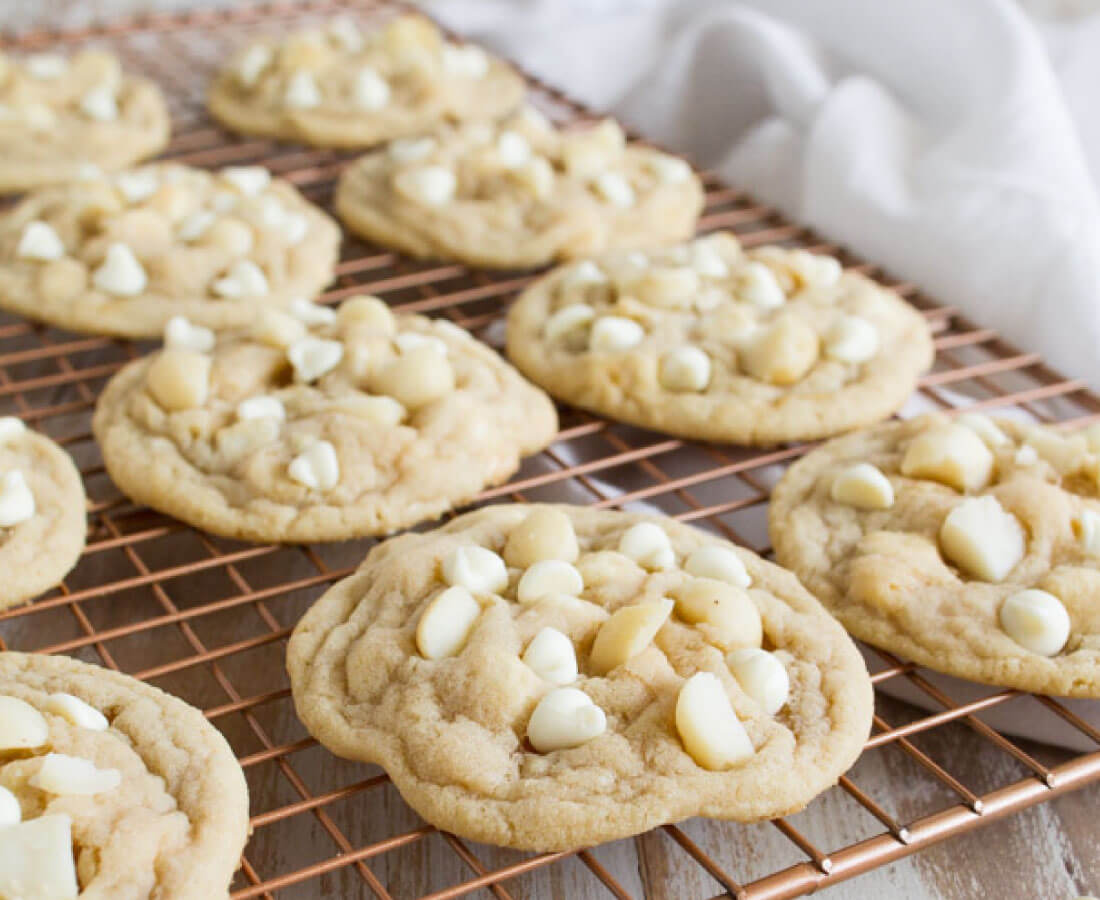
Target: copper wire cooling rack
{"x": 208, "y": 619}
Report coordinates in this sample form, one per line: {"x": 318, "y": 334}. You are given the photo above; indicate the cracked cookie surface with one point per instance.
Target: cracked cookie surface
{"x": 356, "y": 424}
{"x": 121, "y": 254}
{"x": 59, "y": 116}
{"x": 150, "y": 793}
{"x": 518, "y": 193}
{"x": 712, "y": 341}
{"x": 42, "y": 513}
{"x": 336, "y": 86}
{"x": 522, "y": 674}
{"x": 972, "y": 548}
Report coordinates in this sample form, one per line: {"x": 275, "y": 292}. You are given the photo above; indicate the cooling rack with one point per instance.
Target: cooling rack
{"x": 208, "y": 619}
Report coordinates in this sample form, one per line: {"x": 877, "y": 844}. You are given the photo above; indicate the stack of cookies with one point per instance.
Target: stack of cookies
{"x": 536, "y": 676}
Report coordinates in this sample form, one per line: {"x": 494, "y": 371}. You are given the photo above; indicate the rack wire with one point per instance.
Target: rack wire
{"x": 207, "y": 619}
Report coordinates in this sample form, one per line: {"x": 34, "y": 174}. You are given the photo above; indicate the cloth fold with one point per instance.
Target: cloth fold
{"x": 940, "y": 139}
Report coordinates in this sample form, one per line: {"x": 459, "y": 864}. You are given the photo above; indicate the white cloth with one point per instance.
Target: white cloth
{"x": 938, "y": 137}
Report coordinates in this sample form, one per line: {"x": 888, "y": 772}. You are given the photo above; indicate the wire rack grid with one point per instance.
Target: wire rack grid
{"x": 207, "y": 619}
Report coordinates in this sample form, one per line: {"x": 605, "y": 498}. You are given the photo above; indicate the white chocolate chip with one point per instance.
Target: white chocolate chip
{"x": 615, "y": 189}
{"x": 179, "y": 379}
{"x": 385, "y": 412}
{"x": 39, "y": 241}
{"x": 532, "y": 119}
{"x": 727, "y": 613}
{"x": 372, "y": 91}
{"x": 950, "y": 454}
{"x": 16, "y": 500}
{"x": 851, "y": 339}
{"x": 249, "y": 180}
{"x": 11, "y": 427}
{"x": 419, "y": 376}
{"x": 685, "y": 369}
{"x": 710, "y": 731}
{"x": 567, "y": 319}
{"x": 316, "y": 467}
{"x": 224, "y": 201}
{"x": 538, "y": 176}
{"x": 758, "y": 285}
{"x": 244, "y": 279}
{"x": 46, "y": 66}
{"x": 277, "y": 329}
{"x": 137, "y": 185}
{"x": 478, "y": 569}
{"x": 369, "y": 311}
{"x": 430, "y": 185}
{"x": 707, "y": 261}
{"x": 100, "y": 104}
{"x": 648, "y": 545}
{"x": 668, "y": 169}
{"x": 10, "y": 814}
{"x": 234, "y": 442}
{"x": 670, "y": 287}
{"x": 22, "y": 727}
{"x": 587, "y": 153}
{"x": 1026, "y": 456}
{"x": 984, "y": 427}
{"x": 719, "y": 563}
{"x": 545, "y": 534}
{"x": 1036, "y": 620}
{"x": 781, "y": 353}
{"x": 982, "y": 539}
{"x": 313, "y": 357}
{"x": 36, "y": 860}
{"x": 408, "y": 150}
{"x": 565, "y": 718}
{"x": 1065, "y": 453}
{"x": 252, "y": 63}
{"x": 1086, "y": 526}
{"x": 512, "y": 150}
{"x": 68, "y": 775}
{"x": 466, "y": 61}
{"x": 762, "y": 676}
{"x": 552, "y": 657}
{"x": 582, "y": 273}
{"x": 302, "y": 92}
{"x": 292, "y": 225}
{"x": 311, "y": 313}
{"x": 446, "y": 623}
{"x": 549, "y": 576}
{"x": 863, "y": 486}
{"x": 261, "y": 407}
{"x": 77, "y": 712}
{"x": 410, "y": 340}
{"x": 614, "y": 334}
{"x": 120, "y": 272}
{"x": 182, "y": 334}
{"x": 627, "y": 633}
{"x": 815, "y": 269}
{"x": 195, "y": 225}
{"x": 346, "y": 33}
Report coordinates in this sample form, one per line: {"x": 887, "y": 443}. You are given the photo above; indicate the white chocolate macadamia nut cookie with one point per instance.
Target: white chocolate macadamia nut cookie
{"x": 518, "y": 193}
{"x": 122, "y": 254}
{"x": 335, "y": 86}
{"x": 61, "y": 117}
{"x": 548, "y": 677}
{"x": 327, "y": 425}
{"x": 710, "y": 341}
{"x": 112, "y": 788}
{"x": 971, "y": 546}
{"x": 42, "y": 513}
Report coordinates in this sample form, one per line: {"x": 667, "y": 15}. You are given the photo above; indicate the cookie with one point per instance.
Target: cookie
{"x": 337, "y": 87}
{"x": 123, "y": 254}
{"x": 971, "y": 547}
{"x": 42, "y": 513}
{"x": 62, "y": 117}
{"x": 112, "y": 788}
{"x": 548, "y": 677}
{"x": 346, "y": 424}
{"x": 709, "y": 341}
{"x": 518, "y": 193}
